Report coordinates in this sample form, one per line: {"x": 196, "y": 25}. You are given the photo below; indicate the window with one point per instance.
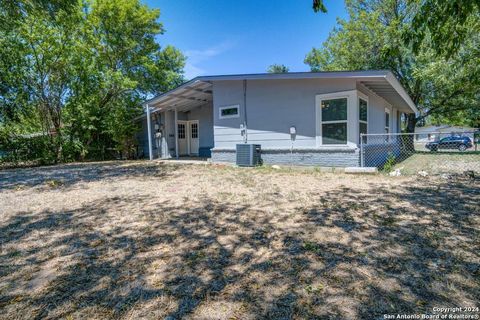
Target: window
{"x": 194, "y": 130}
{"x": 363, "y": 118}
{"x": 334, "y": 121}
{"x": 229, "y": 112}
{"x": 181, "y": 131}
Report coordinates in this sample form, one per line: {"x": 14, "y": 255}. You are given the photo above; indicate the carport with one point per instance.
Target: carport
{"x": 182, "y": 115}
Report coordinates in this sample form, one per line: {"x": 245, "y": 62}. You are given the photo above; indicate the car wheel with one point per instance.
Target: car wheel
{"x": 433, "y": 149}
{"x": 462, "y": 147}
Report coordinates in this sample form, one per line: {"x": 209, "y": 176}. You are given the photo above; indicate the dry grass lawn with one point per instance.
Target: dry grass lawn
{"x": 440, "y": 162}
{"x": 129, "y": 240}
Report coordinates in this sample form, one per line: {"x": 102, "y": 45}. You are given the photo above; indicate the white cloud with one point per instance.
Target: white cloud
{"x": 195, "y": 57}
{"x": 192, "y": 71}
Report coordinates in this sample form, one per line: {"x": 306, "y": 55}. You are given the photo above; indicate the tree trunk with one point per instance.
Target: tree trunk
{"x": 411, "y": 122}
{"x": 58, "y": 146}
{"x": 409, "y": 139}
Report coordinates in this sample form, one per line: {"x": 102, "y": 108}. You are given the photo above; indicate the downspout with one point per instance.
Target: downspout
{"x": 245, "y": 110}
{"x": 149, "y": 130}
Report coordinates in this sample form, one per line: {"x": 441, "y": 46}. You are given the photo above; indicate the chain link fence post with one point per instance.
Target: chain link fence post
{"x": 362, "y": 153}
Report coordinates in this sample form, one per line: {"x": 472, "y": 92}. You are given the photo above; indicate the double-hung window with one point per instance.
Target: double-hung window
{"x": 363, "y": 118}
{"x": 334, "y": 121}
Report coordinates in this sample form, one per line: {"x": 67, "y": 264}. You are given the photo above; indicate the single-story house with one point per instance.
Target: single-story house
{"x": 302, "y": 118}
{"x": 436, "y": 132}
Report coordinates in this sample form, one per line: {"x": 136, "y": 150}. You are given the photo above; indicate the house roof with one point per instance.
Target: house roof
{"x": 442, "y": 128}
{"x": 198, "y": 91}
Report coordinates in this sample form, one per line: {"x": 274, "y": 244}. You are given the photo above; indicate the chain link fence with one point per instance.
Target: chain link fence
{"x": 424, "y": 153}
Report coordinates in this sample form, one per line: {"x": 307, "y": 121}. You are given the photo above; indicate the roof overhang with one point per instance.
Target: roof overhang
{"x": 198, "y": 91}
{"x": 189, "y": 95}
{"x": 390, "y": 89}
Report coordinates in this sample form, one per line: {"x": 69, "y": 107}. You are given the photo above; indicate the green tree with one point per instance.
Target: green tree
{"x": 318, "y": 5}
{"x": 129, "y": 66}
{"x": 38, "y": 69}
{"x": 277, "y": 68}
{"x": 373, "y": 38}
{"x": 445, "y": 22}
{"x": 81, "y": 73}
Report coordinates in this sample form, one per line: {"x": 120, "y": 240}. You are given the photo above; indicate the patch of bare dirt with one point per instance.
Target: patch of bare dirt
{"x": 152, "y": 240}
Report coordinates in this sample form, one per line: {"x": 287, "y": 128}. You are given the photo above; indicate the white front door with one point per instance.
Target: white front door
{"x": 188, "y": 137}
{"x": 182, "y": 137}
{"x": 193, "y": 133}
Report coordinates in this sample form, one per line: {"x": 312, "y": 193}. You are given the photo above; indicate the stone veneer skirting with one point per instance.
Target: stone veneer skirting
{"x": 300, "y": 157}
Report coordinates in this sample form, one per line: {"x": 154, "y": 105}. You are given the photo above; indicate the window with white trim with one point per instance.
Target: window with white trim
{"x": 363, "y": 118}
{"x": 229, "y": 112}
{"x": 334, "y": 121}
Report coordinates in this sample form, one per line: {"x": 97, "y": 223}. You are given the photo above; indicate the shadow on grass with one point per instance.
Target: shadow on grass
{"x": 69, "y": 174}
{"x": 351, "y": 255}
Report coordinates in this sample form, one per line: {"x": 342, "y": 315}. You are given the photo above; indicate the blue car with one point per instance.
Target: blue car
{"x": 461, "y": 143}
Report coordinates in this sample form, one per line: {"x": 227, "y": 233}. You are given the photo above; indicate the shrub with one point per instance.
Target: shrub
{"x": 390, "y": 163}
{"x": 26, "y": 149}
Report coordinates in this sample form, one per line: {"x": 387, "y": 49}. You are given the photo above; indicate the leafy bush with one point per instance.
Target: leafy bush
{"x": 23, "y": 149}
{"x": 390, "y": 163}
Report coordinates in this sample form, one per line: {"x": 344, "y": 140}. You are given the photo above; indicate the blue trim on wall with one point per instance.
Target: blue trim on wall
{"x": 205, "y": 152}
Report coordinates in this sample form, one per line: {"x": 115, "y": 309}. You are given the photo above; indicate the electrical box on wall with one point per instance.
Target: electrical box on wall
{"x": 242, "y": 129}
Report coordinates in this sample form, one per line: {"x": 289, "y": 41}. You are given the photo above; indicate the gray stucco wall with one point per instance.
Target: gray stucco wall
{"x": 169, "y": 134}
{"x": 273, "y": 106}
{"x": 164, "y": 147}
{"x": 205, "y": 124}
{"x": 376, "y": 113}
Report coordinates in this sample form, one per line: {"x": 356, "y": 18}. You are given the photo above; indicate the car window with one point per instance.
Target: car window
{"x": 445, "y": 139}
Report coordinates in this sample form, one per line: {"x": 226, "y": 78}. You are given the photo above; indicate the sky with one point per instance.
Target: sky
{"x": 231, "y": 36}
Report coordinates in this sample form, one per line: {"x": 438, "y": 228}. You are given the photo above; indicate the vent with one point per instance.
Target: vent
{"x": 248, "y": 155}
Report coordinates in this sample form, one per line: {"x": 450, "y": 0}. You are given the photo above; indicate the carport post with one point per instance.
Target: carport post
{"x": 149, "y": 129}
{"x": 176, "y": 133}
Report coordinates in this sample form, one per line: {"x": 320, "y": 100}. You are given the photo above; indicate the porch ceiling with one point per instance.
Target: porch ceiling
{"x": 391, "y": 91}
{"x": 185, "y": 97}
